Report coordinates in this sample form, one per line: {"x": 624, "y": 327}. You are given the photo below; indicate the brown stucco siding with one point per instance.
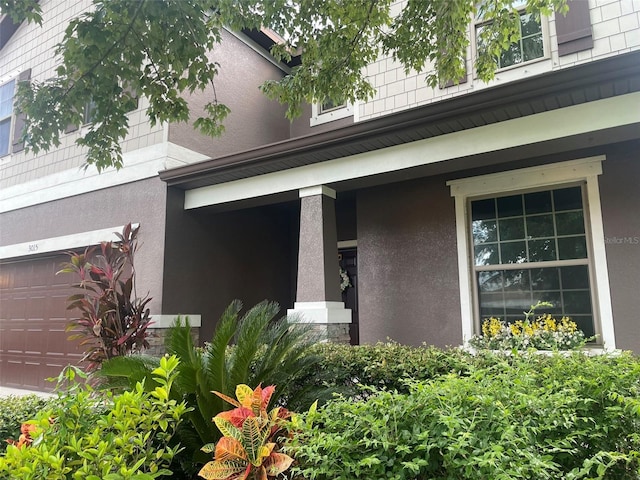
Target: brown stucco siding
{"x": 254, "y": 119}
{"x": 407, "y": 264}
{"x": 620, "y": 200}
{"x": 214, "y": 258}
{"x": 138, "y": 202}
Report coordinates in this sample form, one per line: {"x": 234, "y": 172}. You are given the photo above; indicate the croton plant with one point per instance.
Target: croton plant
{"x": 249, "y": 446}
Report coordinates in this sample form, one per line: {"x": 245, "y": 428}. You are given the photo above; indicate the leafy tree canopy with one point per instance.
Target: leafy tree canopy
{"x": 124, "y": 49}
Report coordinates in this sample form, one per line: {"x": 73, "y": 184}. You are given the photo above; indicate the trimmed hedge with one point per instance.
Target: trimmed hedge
{"x": 502, "y": 417}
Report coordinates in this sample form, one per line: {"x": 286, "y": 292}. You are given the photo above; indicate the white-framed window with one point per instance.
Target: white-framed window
{"x": 328, "y": 111}
{"x": 6, "y": 115}
{"x": 534, "y": 234}
{"x": 531, "y": 46}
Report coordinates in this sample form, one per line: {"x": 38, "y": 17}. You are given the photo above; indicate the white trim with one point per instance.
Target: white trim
{"x": 259, "y": 50}
{"x": 57, "y": 244}
{"x": 139, "y": 164}
{"x": 320, "y": 312}
{"x": 318, "y": 118}
{"x": 348, "y": 244}
{"x": 317, "y": 190}
{"x": 587, "y": 170}
{"x": 166, "y": 321}
{"x": 556, "y": 124}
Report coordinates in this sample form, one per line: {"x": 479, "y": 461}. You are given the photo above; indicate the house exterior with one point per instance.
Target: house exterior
{"x": 444, "y": 205}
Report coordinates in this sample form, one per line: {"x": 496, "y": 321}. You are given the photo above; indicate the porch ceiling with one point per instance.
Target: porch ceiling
{"x": 610, "y": 77}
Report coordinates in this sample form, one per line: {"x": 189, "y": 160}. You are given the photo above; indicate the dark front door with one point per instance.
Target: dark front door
{"x": 349, "y": 262}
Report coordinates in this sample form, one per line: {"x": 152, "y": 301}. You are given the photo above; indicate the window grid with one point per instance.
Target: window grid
{"x": 6, "y": 111}
{"x": 570, "y": 298}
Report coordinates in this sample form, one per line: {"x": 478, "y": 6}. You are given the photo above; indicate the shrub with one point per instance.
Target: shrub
{"x": 249, "y": 447}
{"x": 113, "y": 319}
{"x": 524, "y": 416}
{"x": 15, "y": 410}
{"x": 344, "y": 369}
{"x": 112, "y": 437}
{"x": 251, "y": 349}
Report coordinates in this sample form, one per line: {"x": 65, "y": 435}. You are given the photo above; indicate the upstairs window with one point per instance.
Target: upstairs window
{"x": 530, "y": 45}
{"x": 6, "y": 110}
{"x": 328, "y": 111}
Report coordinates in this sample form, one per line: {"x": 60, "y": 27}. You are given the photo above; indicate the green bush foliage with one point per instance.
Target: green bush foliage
{"x": 101, "y": 437}
{"x": 254, "y": 349}
{"x": 345, "y": 369}
{"x": 507, "y": 417}
{"x": 14, "y": 410}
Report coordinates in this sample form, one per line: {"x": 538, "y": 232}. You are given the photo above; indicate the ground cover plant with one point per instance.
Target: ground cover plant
{"x": 512, "y": 416}
{"x": 84, "y": 435}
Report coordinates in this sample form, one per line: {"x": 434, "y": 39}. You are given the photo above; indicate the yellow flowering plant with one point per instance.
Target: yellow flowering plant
{"x": 541, "y": 332}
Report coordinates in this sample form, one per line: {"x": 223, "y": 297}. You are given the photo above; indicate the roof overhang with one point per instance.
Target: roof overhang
{"x": 589, "y": 82}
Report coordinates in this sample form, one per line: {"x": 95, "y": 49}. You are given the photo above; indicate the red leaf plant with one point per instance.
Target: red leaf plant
{"x": 113, "y": 320}
{"x": 248, "y": 449}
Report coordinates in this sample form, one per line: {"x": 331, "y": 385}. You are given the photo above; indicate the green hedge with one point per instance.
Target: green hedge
{"x": 501, "y": 417}
{"x": 344, "y": 369}
{"x": 14, "y": 410}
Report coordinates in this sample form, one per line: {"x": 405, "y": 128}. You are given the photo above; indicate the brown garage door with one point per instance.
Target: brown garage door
{"x": 33, "y": 316}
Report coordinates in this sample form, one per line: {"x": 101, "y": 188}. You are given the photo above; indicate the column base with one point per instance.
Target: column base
{"x": 320, "y": 312}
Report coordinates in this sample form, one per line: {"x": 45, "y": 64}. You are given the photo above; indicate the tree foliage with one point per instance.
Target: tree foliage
{"x": 121, "y": 50}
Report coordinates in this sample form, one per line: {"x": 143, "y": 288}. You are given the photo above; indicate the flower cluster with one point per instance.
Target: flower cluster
{"x": 543, "y": 332}
{"x": 345, "y": 281}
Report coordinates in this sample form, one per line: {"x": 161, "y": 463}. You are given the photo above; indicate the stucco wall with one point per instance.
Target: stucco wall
{"x": 254, "y": 119}
{"x": 140, "y": 202}
{"x": 214, "y": 258}
{"x": 620, "y": 198}
{"x": 407, "y": 265}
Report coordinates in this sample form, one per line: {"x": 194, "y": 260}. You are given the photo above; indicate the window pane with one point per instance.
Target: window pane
{"x": 6, "y": 99}
{"x": 567, "y": 198}
{"x": 572, "y": 247}
{"x": 492, "y": 305}
{"x": 529, "y": 25}
{"x": 540, "y": 226}
{"x": 542, "y": 250}
{"x": 490, "y": 281}
{"x": 5, "y": 133}
{"x": 487, "y": 254}
{"x": 585, "y": 323}
{"x": 576, "y": 302}
{"x": 570, "y": 223}
{"x": 483, "y": 209}
{"x": 513, "y": 252}
{"x": 510, "y": 206}
{"x": 575, "y": 277}
{"x": 532, "y": 48}
{"x": 545, "y": 279}
{"x": 511, "y": 229}
{"x": 538, "y": 202}
{"x": 512, "y": 56}
{"x": 484, "y": 231}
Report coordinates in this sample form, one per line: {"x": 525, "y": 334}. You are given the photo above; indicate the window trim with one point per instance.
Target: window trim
{"x": 9, "y": 118}
{"x": 584, "y": 171}
{"x": 318, "y": 117}
{"x": 546, "y": 43}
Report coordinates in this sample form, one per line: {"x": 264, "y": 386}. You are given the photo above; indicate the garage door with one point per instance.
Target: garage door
{"x": 33, "y": 317}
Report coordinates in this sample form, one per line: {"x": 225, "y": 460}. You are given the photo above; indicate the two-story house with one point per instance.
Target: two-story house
{"x": 445, "y": 206}
{"x": 50, "y": 205}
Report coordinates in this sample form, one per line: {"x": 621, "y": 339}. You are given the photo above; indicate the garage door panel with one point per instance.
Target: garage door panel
{"x": 33, "y": 317}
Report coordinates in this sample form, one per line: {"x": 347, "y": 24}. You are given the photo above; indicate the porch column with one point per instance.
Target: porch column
{"x": 318, "y": 297}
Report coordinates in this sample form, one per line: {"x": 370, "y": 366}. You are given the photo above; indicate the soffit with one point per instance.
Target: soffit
{"x": 618, "y": 75}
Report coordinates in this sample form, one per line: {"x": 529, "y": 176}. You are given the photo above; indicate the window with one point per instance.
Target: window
{"x": 534, "y": 234}
{"x": 328, "y": 111}
{"x": 530, "y": 46}
{"x": 6, "y": 111}
{"x": 529, "y": 247}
